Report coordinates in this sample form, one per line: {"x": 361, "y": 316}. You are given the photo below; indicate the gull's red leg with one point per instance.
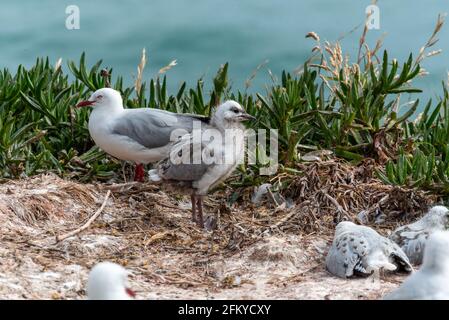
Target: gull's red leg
{"x": 139, "y": 173}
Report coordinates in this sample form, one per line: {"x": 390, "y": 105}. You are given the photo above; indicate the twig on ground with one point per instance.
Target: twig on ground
{"x": 140, "y": 190}
{"x": 87, "y": 224}
{"x": 336, "y": 204}
{"x": 120, "y": 186}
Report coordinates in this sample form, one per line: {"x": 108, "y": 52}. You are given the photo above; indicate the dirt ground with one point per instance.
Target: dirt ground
{"x": 149, "y": 231}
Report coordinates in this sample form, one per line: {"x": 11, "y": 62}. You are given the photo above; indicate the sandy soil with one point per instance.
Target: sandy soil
{"x": 150, "y": 233}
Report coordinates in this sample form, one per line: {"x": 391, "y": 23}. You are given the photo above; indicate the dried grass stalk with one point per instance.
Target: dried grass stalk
{"x": 167, "y": 67}
{"x": 140, "y": 68}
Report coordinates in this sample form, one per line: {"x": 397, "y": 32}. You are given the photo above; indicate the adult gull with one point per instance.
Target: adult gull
{"x": 141, "y": 135}
{"x": 108, "y": 281}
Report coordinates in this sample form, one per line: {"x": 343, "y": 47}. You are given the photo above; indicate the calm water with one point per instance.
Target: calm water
{"x": 202, "y": 34}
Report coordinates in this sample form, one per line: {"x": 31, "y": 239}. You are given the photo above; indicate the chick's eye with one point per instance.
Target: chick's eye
{"x": 235, "y": 110}
{"x": 100, "y": 97}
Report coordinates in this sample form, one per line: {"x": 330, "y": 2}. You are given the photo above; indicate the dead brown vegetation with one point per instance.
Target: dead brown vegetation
{"x": 150, "y": 232}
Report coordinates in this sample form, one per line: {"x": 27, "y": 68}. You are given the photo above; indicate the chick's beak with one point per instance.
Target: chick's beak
{"x": 247, "y": 116}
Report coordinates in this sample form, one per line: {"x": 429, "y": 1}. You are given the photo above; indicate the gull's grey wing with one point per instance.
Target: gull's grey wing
{"x": 406, "y": 232}
{"x": 182, "y": 171}
{"x": 152, "y": 128}
{"x": 411, "y": 238}
{"x": 347, "y": 255}
{"x": 414, "y": 248}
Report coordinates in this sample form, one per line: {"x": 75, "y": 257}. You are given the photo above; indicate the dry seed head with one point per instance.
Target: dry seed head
{"x": 432, "y": 43}
{"x": 321, "y": 66}
{"x": 418, "y": 118}
{"x": 434, "y": 53}
{"x": 368, "y": 58}
{"x": 335, "y": 73}
{"x": 440, "y": 22}
{"x": 356, "y": 68}
{"x": 423, "y": 72}
{"x": 379, "y": 44}
{"x": 168, "y": 67}
{"x": 140, "y": 68}
{"x": 421, "y": 51}
{"x": 313, "y": 35}
{"x": 329, "y": 50}
{"x": 338, "y": 51}
{"x": 333, "y": 62}
{"x": 58, "y": 64}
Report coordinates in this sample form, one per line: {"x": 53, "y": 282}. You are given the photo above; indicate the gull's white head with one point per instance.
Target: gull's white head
{"x": 108, "y": 281}
{"x": 229, "y": 113}
{"x": 436, "y": 252}
{"x": 105, "y": 97}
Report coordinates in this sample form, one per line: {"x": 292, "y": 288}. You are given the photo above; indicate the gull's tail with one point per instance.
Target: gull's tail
{"x": 377, "y": 260}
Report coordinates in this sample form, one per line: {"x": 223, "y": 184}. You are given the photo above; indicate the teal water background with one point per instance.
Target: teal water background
{"x": 202, "y": 34}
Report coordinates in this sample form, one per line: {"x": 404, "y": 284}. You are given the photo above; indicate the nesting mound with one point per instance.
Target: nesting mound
{"x": 269, "y": 246}
{"x": 331, "y": 191}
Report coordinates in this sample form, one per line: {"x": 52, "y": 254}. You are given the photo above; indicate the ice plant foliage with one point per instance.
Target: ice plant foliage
{"x": 355, "y": 109}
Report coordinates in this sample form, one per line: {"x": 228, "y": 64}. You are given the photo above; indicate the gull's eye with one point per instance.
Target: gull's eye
{"x": 235, "y": 110}
{"x": 100, "y": 97}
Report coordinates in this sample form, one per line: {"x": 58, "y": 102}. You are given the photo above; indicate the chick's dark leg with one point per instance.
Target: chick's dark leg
{"x": 200, "y": 221}
{"x": 193, "y": 200}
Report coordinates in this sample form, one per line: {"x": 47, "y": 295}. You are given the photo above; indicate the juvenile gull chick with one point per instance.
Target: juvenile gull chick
{"x": 141, "y": 135}
{"x": 359, "y": 250}
{"x": 431, "y": 282}
{"x": 204, "y": 158}
{"x": 108, "y": 281}
{"x": 413, "y": 237}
